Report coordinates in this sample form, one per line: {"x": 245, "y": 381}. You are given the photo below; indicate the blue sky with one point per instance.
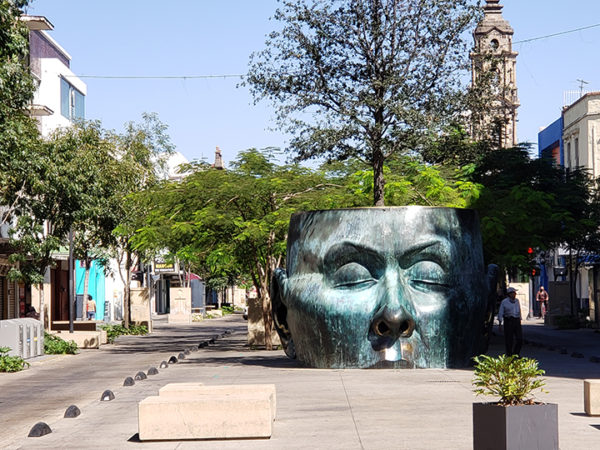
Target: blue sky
{"x": 210, "y": 37}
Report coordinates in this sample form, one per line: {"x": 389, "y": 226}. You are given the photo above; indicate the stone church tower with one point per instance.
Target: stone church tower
{"x": 494, "y": 65}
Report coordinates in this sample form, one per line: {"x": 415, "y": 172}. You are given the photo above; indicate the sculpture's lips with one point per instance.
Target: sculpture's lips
{"x": 400, "y": 364}
{"x": 391, "y": 354}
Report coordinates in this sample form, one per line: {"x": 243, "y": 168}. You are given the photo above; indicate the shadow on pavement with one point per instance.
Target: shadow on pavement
{"x": 134, "y": 438}
{"x": 548, "y": 346}
{"x": 275, "y": 361}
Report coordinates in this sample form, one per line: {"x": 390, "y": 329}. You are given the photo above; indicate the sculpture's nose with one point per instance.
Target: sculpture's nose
{"x": 388, "y": 325}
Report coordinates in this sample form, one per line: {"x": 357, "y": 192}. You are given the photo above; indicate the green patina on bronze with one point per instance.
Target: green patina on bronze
{"x": 383, "y": 287}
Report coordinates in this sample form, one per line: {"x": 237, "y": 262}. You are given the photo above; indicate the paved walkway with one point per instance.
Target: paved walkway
{"x": 317, "y": 409}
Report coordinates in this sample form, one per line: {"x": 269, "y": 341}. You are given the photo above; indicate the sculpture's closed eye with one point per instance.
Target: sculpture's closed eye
{"x": 352, "y": 276}
{"x": 428, "y": 275}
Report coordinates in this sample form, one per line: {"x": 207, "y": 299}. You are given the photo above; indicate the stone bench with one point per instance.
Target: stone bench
{"x": 591, "y": 397}
{"x": 84, "y": 339}
{"x": 78, "y": 325}
{"x": 194, "y": 411}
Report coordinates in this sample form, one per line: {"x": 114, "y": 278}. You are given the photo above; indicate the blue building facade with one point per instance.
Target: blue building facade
{"x": 96, "y": 287}
{"x": 550, "y": 142}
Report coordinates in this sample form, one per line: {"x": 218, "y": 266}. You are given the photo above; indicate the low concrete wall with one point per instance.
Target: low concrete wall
{"x": 84, "y": 339}
{"x": 591, "y": 397}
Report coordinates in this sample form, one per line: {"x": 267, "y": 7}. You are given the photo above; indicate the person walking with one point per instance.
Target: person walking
{"x": 510, "y": 314}
{"x": 91, "y": 308}
{"x": 542, "y": 299}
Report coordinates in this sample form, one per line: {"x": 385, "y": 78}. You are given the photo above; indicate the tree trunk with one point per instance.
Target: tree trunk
{"x": 267, "y": 315}
{"x": 42, "y": 306}
{"x": 127, "y": 290}
{"x": 378, "y": 180}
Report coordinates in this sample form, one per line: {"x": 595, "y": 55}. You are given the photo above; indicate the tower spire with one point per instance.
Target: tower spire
{"x": 218, "y": 159}
{"x": 493, "y": 54}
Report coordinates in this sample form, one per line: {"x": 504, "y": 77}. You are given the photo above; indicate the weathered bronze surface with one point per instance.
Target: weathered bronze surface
{"x": 383, "y": 287}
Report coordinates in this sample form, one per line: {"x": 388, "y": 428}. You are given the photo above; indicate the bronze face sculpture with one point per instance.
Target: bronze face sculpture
{"x": 383, "y": 287}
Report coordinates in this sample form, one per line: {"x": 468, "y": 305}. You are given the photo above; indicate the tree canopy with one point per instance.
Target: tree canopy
{"x": 18, "y": 132}
{"x": 231, "y": 225}
{"x": 364, "y": 78}
{"x": 233, "y": 222}
{"x": 533, "y": 203}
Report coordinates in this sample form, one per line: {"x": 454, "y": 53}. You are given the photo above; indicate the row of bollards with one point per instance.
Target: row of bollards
{"x": 561, "y": 350}
{"x": 42, "y": 428}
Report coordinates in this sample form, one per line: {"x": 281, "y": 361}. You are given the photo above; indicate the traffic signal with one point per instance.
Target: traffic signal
{"x": 534, "y": 271}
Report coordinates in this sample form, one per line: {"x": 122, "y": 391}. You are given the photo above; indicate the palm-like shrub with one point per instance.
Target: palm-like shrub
{"x": 511, "y": 378}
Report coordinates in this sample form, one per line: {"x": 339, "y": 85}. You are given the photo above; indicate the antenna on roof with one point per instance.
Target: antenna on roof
{"x": 582, "y": 83}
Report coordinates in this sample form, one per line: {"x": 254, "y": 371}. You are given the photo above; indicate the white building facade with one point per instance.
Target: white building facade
{"x": 60, "y": 96}
{"x": 581, "y": 133}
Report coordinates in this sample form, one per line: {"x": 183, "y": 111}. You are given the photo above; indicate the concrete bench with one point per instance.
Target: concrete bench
{"x": 591, "y": 397}
{"x": 85, "y": 339}
{"x": 78, "y": 325}
{"x": 195, "y": 411}
{"x": 184, "y": 390}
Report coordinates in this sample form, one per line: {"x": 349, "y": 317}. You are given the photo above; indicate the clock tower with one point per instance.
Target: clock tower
{"x": 494, "y": 72}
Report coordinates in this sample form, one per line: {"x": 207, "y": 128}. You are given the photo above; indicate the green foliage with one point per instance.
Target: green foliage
{"x": 55, "y": 345}
{"x": 410, "y": 182}
{"x": 227, "y": 310}
{"x": 511, "y": 378}
{"x": 114, "y": 331}
{"x": 16, "y": 82}
{"x": 455, "y": 147}
{"x": 347, "y": 82}
{"x": 11, "y": 363}
{"x": 227, "y": 225}
{"x": 143, "y": 150}
{"x": 526, "y": 202}
{"x": 20, "y": 159}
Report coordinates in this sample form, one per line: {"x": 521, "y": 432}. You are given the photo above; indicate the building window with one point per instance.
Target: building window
{"x": 72, "y": 102}
{"x": 576, "y": 152}
{"x": 568, "y": 158}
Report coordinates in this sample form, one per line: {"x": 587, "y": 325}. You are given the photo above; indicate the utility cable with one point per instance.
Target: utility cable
{"x": 134, "y": 77}
{"x": 557, "y": 34}
{"x": 190, "y": 77}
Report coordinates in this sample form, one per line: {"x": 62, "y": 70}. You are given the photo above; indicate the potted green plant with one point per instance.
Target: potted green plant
{"x": 516, "y": 420}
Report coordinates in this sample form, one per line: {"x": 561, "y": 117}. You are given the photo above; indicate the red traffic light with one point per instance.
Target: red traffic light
{"x": 530, "y": 250}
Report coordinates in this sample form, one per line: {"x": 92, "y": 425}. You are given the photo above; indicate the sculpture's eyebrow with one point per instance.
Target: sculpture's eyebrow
{"x": 346, "y": 252}
{"x": 438, "y": 249}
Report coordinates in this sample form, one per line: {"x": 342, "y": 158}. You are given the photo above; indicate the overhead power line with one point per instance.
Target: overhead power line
{"x": 165, "y": 77}
{"x": 190, "y": 77}
{"x": 557, "y": 34}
